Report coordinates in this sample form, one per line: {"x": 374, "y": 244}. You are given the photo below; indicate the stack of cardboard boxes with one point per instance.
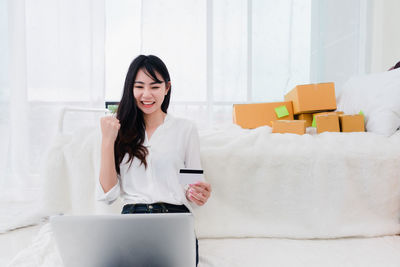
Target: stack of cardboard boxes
{"x": 304, "y": 106}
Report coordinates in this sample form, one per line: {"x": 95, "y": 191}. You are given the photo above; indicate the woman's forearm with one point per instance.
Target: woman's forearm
{"x": 108, "y": 173}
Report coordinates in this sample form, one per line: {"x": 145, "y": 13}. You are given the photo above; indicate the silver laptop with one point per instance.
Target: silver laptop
{"x": 127, "y": 240}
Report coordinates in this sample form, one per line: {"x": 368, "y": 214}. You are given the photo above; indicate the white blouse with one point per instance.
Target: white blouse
{"x": 174, "y": 145}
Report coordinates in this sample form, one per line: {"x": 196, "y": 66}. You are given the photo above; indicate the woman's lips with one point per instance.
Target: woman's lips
{"x": 147, "y": 104}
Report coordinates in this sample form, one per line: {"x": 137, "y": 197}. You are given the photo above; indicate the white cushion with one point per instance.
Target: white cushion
{"x": 378, "y": 96}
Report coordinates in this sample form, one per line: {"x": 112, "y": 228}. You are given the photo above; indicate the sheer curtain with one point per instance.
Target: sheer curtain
{"x": 53, "y": 55}
{"x": 340, "y": 38}
{"x": 238, "y": 55}
{"x": 218, "y": 52}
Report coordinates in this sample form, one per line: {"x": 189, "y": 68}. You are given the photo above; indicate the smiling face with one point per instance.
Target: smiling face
{"x": 149, "y": 94}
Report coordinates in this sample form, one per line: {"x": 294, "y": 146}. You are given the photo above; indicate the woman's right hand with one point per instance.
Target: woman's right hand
{"x": 109, "y": 128}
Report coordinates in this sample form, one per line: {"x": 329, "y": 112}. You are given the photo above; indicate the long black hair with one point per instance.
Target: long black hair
{"x": 131, "y": 134}
{"x": 395, "y": 66}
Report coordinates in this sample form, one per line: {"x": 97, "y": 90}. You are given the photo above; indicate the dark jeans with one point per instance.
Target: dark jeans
{"x": 159, "y": 208}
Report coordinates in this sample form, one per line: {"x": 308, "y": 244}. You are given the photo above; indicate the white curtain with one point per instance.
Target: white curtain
{"x": 340, "y": 40}
{"x": 52, "y": 56}
{"x": 218, "y": 52}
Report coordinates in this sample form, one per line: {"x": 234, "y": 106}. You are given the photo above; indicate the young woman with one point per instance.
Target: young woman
{"x": 143, "y": 148}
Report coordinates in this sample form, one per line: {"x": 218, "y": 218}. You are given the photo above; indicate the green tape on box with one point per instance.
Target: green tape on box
{"x": 281, "y": 111}
{"x": 112, "y": 108}
{"x": 362, "y": 113}
{"x": 314, "y": 124}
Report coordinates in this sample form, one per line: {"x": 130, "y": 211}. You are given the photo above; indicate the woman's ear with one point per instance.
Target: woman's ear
{"x": 167, "y": 88}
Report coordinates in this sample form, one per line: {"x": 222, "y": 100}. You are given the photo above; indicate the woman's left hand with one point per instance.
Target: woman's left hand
{"x": 199, "y": 193}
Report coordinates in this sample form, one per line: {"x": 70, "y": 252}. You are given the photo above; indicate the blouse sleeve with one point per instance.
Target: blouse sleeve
{"x": 192, "y": 154}
{"x": 110, "y": 196}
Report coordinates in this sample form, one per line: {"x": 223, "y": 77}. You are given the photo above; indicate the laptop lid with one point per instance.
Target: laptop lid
{"x": 166, "y": 240}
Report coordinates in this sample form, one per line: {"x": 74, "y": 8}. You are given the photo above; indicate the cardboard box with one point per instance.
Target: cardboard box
{"x": 308, "y": 117}
{"x": 323, "y": 113}
{"x": 352, "y": 123}
{"x": 289, "y": 126}
{"x": 327, "y": 123}
{"x": 309, "y": 98}
{"x": 330, "y": 112}
{"x": 250, "y": 116}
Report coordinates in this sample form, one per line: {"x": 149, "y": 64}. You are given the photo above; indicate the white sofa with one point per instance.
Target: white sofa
{"x": 278, "y": 199}
{"x": 314, "y": 200}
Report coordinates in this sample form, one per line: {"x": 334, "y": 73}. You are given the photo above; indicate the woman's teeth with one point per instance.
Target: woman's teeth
{"x": 148, "y": 103}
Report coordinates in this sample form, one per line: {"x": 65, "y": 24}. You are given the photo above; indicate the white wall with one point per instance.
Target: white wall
{"x": 385, "y": 34}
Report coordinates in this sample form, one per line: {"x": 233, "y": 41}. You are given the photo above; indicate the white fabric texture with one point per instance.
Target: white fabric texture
{"x": 262, "y": 252}
{"x": 254, "y": 252}
{"x": 54, "y": 52}
{"x": 274, "y": 185}
{"x": 14, "y": 215}
{"x": 20, "y": 211}
{"x": 377, "y": 96}
{"x": 173, "y": 146}
{"x": 328, "y": 185}
{"x": 42, "y": 252}
{"x": 72, "y": 169}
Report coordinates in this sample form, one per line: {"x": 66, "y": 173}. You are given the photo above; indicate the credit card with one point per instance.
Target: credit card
{"x": 190, "y": 176}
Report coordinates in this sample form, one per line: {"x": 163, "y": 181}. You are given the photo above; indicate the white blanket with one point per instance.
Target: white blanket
{"x": 20, "y": 211}
{"x": 264, "y": 185}
{"x": 312, "y": 186}
{"x": 42, "y": 252}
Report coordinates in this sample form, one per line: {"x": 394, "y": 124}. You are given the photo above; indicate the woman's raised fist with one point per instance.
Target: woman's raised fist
{"x": 109, "y": 128}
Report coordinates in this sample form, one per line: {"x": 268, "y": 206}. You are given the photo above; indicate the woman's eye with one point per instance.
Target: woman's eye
{"x": 155, "y": 87}
{"x": 139, "y": 87}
